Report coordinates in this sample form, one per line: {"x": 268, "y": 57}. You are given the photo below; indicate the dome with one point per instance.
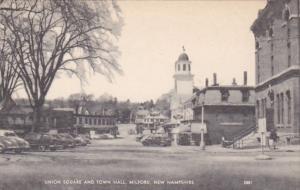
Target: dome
{"x": 183, "y": 57}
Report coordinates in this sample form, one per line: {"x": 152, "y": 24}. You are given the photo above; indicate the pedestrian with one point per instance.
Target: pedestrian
{"x": 274, "y": 137}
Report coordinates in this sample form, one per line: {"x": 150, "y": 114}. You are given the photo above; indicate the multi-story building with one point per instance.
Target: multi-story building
{"x": 228, "y": 109}
{"x": 277, "y": 65}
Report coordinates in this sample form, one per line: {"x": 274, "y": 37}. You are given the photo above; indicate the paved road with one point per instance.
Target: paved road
{"x": 125, "y": 164}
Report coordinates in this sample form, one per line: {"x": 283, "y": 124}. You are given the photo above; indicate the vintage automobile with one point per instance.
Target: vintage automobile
{"x": 43, "y": 141}
{"x": 86, "y": 138}
{"x": 9, "y": 141}
{"x": 156, "y": 140}
{"x": 80, "y": 141}
{"x": 66, "y": 140}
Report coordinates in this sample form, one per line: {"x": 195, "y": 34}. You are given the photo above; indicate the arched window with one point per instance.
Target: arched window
{"x": 256, "y": 45}
{"x": 270, "y": 32}
{"x": 286, "y": 14}
{"x": 184, "y": 67}
{"x": 178, "y": 67}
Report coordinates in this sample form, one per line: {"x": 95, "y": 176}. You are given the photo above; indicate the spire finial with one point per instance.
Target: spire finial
{"x": 183, "y": 49}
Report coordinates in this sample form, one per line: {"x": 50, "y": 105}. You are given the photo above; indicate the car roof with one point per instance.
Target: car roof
{"x": 2, "y": 131}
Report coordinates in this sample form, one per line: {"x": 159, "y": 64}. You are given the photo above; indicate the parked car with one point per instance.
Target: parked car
{"x": 9, "y": 141}
{"x": 66, "y": 140}
{"x": 43, "y": 141}
{"x": 156, "y": 140}
{"x": 80, "y": 141}
{"x": 86, "y": 138}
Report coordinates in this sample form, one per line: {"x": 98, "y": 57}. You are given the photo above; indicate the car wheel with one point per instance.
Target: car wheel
{"x": 42, "y": 148}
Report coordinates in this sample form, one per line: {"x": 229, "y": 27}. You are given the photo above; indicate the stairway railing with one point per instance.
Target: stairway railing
{"x": 240, "y": 136}
{"x": 243, "y": 134}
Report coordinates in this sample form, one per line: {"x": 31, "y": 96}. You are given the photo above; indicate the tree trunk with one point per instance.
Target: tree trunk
{"x": 36, "y": 122}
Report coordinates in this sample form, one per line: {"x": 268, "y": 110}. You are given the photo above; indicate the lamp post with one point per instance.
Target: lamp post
{"x": 202, "y": 142}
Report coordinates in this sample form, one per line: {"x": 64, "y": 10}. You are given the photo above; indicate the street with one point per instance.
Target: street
{"x": 124, "y": 163}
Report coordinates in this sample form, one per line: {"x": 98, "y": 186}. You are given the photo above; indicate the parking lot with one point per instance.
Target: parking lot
{"x": 124, "y": 163}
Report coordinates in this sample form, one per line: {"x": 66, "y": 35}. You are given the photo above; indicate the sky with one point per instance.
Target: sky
{"x": 216, "y": 36}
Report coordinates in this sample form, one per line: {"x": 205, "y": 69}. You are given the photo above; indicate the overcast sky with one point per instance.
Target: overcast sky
{"x": 215, "y": 34}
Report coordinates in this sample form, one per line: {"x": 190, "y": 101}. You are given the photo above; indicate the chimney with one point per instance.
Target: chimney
{"x": 206, "y": 82}
{"x": 245, "y": 78}
{"x": 234, "y": 82}
{"x": 215, "y": 80}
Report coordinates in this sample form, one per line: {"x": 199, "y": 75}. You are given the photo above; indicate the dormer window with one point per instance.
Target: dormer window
{"x": 245, "y": 95}
{"x": 224, "y": 95}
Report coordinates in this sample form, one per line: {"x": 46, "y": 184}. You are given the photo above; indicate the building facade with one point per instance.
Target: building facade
{"x": 183, "y": 87}
{"x": 228, "y": 109}
{"x": 277, "y": 65}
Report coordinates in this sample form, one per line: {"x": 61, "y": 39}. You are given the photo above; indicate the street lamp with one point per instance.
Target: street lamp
{"x": 202, "y": 142}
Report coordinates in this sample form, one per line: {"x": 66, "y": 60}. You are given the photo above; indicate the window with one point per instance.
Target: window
{"x": 178, "y": 67}
{"x": 289, "y": 106}
{"x": 224, "y": 95}
{"x": 272, "y": 65}
{"x": 270, "y": 32}
{"x": 90, "y": 121}
{"x": 256, "y": 45}
{"x": 189, "y": 67}
{"x": 286, "y": 14}
{"x": 99, "y": 121}
{"x": 184, "y": 67}
{"x": 95, "y": 121}
{"x": 245, "y": 95}
{"x": 278, "y": 109}
{"x": 289, "y": 60}
{"x": 288, "y": 32}
{"x": 282, "y": 108}
{"x": 257, "y": 109}
{"x": 80, "y": 120}
{"x": 272, "y": 46}
{"x": 86, "y": 121}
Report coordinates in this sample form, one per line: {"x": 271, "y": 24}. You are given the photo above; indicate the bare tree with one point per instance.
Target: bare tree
{"x": 9, "y": 77}
{"x": 61, "y": 36}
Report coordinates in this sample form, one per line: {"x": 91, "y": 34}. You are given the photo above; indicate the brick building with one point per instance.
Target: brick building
{"x": 277, "y": 67}
{"x": 228, "y": 109}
